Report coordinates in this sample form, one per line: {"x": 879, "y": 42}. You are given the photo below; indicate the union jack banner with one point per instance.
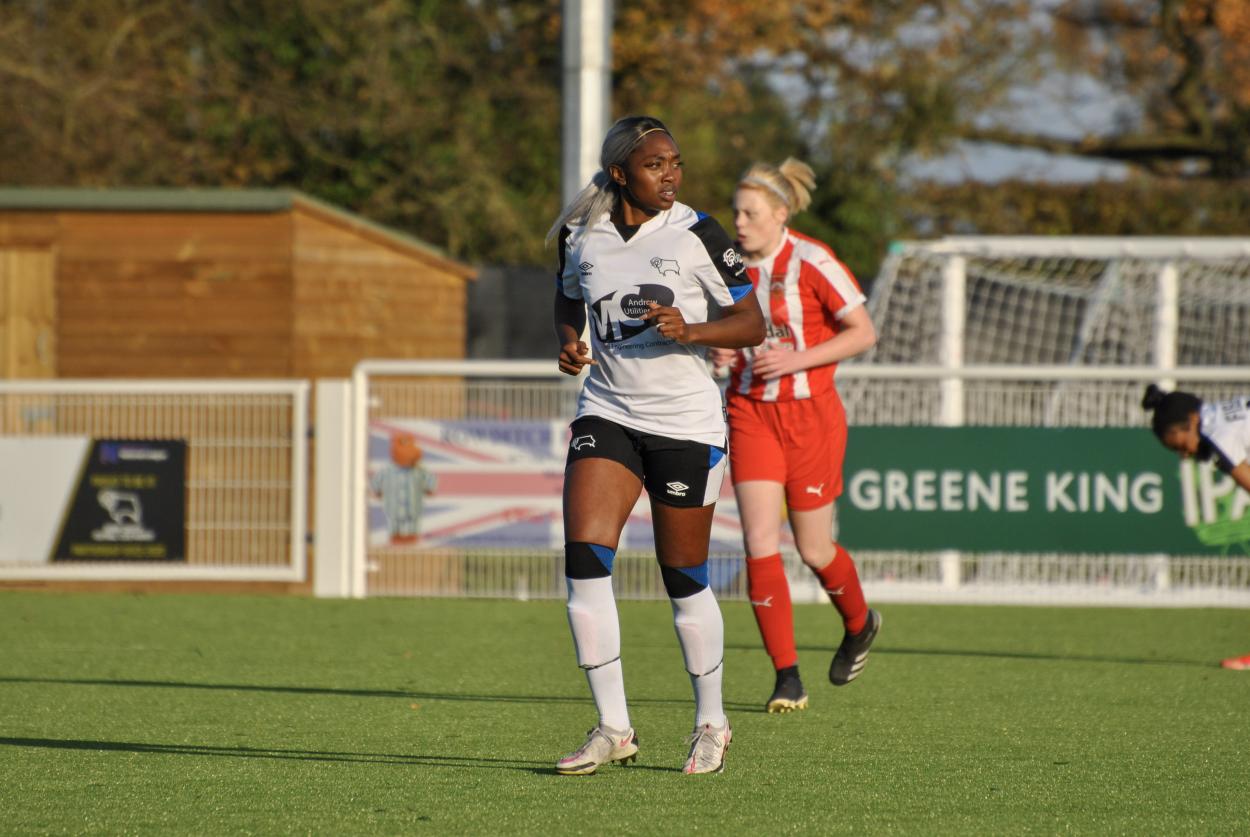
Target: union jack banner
{"x": 498, "y": 486}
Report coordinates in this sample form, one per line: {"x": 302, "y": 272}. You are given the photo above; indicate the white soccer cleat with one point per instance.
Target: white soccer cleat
{"x": 603, "y": 745}
{"x": 708, "y": 745}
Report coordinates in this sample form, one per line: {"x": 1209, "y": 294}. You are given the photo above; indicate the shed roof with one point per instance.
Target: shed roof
{"x": 68, "y": 199}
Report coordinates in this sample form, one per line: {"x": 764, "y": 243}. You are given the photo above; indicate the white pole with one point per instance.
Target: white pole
{"x": 954, "y": 280}
{"x": 587, "y": 91}
{"x": 1167, "y": 322}
{"x": 332, "y": 547}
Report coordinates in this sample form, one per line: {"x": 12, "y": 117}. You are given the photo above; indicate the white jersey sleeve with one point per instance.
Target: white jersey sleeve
{"x": 1225, "y": 430}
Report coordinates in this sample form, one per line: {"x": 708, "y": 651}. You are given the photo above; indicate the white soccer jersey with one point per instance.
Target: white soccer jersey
{"x": 1225, "y": 430}
{"x": 679, "y": 258}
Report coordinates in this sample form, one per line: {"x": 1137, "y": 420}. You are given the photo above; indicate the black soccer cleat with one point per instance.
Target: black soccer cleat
{"x": 788, "y": 694}
{"x": 853, "y": 652}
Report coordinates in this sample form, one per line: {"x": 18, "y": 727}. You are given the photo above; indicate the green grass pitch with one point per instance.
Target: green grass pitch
{"x": 206, "y": 715}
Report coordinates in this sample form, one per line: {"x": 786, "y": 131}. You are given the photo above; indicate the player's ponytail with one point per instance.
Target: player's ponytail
{"x": 788, "y": 185}
{"x": 1170, "y": 408}
{"x": 602, "y": 193}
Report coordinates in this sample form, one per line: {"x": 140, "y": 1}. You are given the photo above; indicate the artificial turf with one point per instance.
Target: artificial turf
{"x": 217, "y": 714}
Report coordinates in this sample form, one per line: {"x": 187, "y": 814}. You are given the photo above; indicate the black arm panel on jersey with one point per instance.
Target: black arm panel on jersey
{"x": 561, "y": 250}
{"x": 723, "y": 254}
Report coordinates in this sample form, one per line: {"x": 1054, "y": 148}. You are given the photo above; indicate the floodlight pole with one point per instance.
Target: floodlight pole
{"x": 587, "y": 92}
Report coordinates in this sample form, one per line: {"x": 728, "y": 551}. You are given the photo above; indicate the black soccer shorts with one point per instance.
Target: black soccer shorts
{"x": 677, "y": 472}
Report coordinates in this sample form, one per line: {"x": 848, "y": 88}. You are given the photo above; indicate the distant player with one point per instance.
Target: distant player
{"x": 787, "y": 428}
{"x": 661, "y": 281}
{"x": 1217, "y": 432}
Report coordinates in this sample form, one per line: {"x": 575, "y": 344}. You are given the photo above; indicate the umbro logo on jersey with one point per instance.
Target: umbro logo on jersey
{"x": 666, "y": 266}
{"x": 585, "y": 267}
{"x": 677, "y": 489}
{"x": 580, "y": 442}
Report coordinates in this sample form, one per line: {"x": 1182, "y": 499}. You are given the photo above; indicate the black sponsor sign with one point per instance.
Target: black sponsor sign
{"x": 130, "y": 504}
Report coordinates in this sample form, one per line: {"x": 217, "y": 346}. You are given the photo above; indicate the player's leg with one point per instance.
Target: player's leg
{"x": 682, "y": 519}
{"x": 757, "y": 464}
{"x": 815, "y": 482}
{"x": 600, "y": 489}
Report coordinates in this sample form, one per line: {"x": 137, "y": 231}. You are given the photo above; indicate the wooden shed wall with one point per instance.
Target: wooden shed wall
{"x": 147, "y": 295}
{"x": 27, "y": 295}
{"x": 359, "y": 296}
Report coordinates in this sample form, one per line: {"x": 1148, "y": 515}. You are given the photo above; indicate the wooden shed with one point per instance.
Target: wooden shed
{"x": 160, "y": 283}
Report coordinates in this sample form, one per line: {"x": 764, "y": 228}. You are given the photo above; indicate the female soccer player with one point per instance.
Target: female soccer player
{"x": 651, "y": 271}
{"x": 787, "y": 428}
{"x": 1219, "y": 431}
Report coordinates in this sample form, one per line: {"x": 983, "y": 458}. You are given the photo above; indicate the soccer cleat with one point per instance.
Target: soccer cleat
{"x": 853, "y": 652}
{"x": 1237, "y": 663}
{"x": 708, "y": 745}
{"x": 603, "y": 745}
{"x": 788, "y": 694}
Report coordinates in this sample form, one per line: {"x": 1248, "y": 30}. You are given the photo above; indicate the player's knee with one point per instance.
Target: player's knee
{"x": 681, "y": 582}
{"x": 587, "y": 560}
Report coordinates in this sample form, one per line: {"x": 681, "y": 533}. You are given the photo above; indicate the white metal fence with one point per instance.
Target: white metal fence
{"x": 246, "y": 469}
{"x": 874, "y": 394}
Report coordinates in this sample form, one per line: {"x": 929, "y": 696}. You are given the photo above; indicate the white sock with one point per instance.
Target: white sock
{"x": 597, "y": 636}
{"x": 701, "y": 632}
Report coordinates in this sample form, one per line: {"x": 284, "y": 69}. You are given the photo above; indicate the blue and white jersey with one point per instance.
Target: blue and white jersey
{"x": 1225, "y": 430}
{"x": 679, "y": 258}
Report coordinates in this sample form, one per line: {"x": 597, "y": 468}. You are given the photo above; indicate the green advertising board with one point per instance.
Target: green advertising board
{"x": 1009, "y": 489}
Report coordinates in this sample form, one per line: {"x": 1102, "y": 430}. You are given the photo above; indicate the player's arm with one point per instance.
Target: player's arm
{"x": 857, "y": 335}
{"x": 740, "y": 325}
{"x": 570, "y": 320}
{"x": 1241, "y": 475}
{"x": 570, "y": 312}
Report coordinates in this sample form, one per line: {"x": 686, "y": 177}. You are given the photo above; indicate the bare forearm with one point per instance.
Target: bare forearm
{"x": 1241, "y": 475}
{"x": 739, "y": 326}
{"x": 845, "y": 344}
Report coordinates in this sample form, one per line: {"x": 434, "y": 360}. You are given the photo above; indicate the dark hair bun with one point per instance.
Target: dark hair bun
{"x": 1153, "y": 397}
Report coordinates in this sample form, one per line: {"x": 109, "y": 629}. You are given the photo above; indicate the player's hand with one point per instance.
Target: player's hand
{"x": 773, "y": 363}
{"x": 668, "y": 322}
{"x": 573, "y": 356}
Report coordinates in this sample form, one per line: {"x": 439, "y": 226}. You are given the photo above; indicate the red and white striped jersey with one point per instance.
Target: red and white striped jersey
{"x": 804, "y": 292}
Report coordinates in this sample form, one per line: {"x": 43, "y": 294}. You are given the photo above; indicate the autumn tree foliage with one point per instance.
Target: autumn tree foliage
{"x": 443, "y": 118}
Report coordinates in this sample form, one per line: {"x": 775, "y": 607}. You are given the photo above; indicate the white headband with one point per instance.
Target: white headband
{"x": 764, "y": 184}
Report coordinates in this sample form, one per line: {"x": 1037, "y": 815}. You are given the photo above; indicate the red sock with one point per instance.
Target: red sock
{"x": 841, "y": 582}
{"x": 770, "y": 599}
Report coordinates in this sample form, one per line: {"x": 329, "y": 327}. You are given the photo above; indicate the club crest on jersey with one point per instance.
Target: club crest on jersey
{"x": 778, "y": 287}
{"x": 579, "y": 442}
{"x": 617, "y": 315}
{"x": 665, "y": 266}
{"x": 731, "y": 258}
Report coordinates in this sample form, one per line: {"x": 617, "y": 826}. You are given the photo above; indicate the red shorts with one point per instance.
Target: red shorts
{"x": 800, "y": 444}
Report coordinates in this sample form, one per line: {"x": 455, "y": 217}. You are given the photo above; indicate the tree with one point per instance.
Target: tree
{"x": 1185, "y": 64}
